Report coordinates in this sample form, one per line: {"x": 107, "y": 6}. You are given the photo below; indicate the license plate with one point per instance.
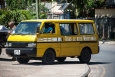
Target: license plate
{"x": 16, "y": 52}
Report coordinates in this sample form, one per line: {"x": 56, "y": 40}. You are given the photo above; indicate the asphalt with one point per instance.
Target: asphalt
{"x": 70, "y": 68}
{"x": 63, "y": 70}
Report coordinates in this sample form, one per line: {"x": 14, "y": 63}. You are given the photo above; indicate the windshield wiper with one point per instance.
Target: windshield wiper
{"x": 15, "y": 34}
{"x": 27, "y": 33}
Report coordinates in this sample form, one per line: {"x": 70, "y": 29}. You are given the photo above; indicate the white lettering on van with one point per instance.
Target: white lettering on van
{"x": 89, "y": 38}
{"x": 39, "y": 40}
{"x": 49, "y": 39}
{"x": 84, "y": 38}
{"x": 79, "y": 38}
{"x": 93, "y": 38}
{"x": 74, "y": 39}
{"x": 68, "y": 38}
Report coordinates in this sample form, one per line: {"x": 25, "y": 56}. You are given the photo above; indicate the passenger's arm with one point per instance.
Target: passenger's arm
{"x": 51, "y": 30}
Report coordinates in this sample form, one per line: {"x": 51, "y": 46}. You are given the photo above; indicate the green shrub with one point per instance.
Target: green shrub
{"x": 15, "y": 15}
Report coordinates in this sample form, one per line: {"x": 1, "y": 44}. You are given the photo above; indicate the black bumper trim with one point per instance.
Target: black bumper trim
{"x": 24, "y": 52}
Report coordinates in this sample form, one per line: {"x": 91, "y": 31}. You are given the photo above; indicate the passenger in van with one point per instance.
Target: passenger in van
{"x": 62, "y": 30}
{"x": 48, "y": 29}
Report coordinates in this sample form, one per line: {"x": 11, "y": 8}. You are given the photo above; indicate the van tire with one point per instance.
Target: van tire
{"x": 85, "y": 56}
{"x": 49, "y": 57}
{"x": 61, "y": 59}
{"x": 23, "y": 60}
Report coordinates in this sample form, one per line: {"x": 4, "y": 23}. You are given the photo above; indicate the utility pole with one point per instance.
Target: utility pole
{"x": 52, "y": 9}
{"x": 37, "y": 8}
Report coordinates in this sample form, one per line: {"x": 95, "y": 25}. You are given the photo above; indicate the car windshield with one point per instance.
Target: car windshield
{"x": 27, "y": 28}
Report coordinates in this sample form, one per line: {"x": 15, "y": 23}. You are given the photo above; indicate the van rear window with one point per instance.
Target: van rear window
{"x": 86, "y": 28}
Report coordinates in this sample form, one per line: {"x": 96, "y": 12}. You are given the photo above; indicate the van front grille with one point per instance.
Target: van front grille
{"x": 19, "y": 44}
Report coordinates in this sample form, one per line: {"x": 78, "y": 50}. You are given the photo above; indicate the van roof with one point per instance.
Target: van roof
{"x": 58, "y": 20}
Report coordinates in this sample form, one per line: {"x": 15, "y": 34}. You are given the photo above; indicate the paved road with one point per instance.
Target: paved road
{"x": 70, "y": 68}
{"x": 103, "y": 64}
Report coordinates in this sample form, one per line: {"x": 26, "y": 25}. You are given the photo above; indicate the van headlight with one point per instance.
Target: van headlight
{"x": 31, "y": 44}
{"x": 8, "y": 44}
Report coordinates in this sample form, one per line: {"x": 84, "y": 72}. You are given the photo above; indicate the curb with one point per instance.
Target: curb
{"x": 88, "y": 71}
{"x": 111, "y": 42}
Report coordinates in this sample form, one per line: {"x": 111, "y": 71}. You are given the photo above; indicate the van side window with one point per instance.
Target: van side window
{"x": 48, "y": 28}
{"x": 67, "y": 29}
{"x": 86, "y": 28}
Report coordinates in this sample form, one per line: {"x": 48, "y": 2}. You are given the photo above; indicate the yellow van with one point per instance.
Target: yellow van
{"x": 53, "y": 39}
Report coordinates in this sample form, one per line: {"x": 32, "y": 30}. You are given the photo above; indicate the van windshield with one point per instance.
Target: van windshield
{"x": 27, "y": 28}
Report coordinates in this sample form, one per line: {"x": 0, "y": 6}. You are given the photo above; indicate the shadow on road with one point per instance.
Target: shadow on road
{"x": 55, "y": 63}
{"x": 68, "y": 62}
{"x": 95, "y": 63}
{"x": 5, "y": 59}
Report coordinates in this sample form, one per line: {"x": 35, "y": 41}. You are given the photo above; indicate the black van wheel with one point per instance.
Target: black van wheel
{"x": 48, "y": 57}
{"x": 22, "y": 60}
{"x": 85, "y": 56}
{"x": 61, "y": 59}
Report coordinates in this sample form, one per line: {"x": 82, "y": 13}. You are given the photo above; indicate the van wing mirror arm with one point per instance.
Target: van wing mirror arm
{"x": 37, "y": 29}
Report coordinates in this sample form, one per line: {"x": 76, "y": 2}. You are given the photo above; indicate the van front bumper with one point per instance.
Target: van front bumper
{"x": 24, "y": 52}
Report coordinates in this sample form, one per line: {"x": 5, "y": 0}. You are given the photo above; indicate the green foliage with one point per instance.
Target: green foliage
{"x": 26, "y": 14}
{"x": 5, "y": 16}
{"x": 15, "y": 11}
{"x": 43, "y": 11}
{"x": 14, "y": 15}
{"x": 81, "y": 6}
{"x": 43, "y": 15}
{"x": 86, "y": 7}
{"x": 18, "y": 4}
{"x": 18, "y": 10}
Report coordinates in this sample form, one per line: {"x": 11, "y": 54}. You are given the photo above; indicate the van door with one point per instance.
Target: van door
{"x": 47, "y": 38}
{"x": 69, "y": 45}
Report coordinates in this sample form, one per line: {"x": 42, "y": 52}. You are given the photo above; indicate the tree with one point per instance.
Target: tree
{"x": 18, "y": 4}
{"x": 18, "y": 10}
{"x": 43, "y": 10}
{"x": 86, "y": 7}
{"x": 15, "y": 11}
{"x": 15, "y": 15}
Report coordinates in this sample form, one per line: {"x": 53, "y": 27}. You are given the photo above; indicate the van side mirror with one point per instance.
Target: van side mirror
{"x": 37, "y": 34}
{"x": 37, "y": 29}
